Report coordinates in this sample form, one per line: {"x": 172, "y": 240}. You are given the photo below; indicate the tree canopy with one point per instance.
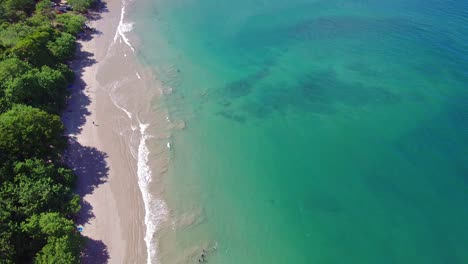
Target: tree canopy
{"x": 63, "y": 47}
{"x": 27, "y": 132}
{"x": 43, "y": 88}
{"x": 81, "y": 5}
{"x": 37, "y": 187}
{"x": 37, "y": 202}
{"x": 11, "y": 69}
{"x": 14, "y": 10}
{"x": 63, "y": 241}
{"x": 71, "y": 23}
{"x": 33, "y": 48}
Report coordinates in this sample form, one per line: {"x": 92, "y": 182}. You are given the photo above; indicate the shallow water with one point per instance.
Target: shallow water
{"x": 316, "y": 131}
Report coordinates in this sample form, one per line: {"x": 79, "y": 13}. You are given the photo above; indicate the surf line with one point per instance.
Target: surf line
{"x": 155, "y": 209}
{"x": 123, "y": 27}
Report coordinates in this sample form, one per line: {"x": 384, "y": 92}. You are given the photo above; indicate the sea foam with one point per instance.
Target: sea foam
{"x": 155, "y": 209}
{"x": 123, "y": 28}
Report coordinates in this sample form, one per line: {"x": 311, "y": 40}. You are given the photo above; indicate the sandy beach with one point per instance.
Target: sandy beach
{"x": 102, "y": 137}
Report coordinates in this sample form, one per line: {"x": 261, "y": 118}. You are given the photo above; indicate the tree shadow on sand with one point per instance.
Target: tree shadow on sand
{"x": 78, "y": 102}
{"x": 95, "y": 12}
{"x": 90, "y": 166}
{"x": 77, "y": 107}
{"x": 95, "y": 252}
{"x": 85, "y": 214}
{"x": 88, "y": 163}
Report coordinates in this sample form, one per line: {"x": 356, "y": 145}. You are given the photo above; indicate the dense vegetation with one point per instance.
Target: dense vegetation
{"x": 36, "y": 198}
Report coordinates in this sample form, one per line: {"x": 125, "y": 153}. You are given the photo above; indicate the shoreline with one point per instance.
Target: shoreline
{"x": 107, "y": 138}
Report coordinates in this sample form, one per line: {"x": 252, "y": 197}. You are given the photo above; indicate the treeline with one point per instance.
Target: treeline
{"x": 37, "y": 203}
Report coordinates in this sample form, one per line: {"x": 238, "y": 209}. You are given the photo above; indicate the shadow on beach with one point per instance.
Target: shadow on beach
{"x": 95, "y": 12}
{"x": 88, "y": 163}
{"x": 78, "y": 102}
{"x": 95, "y": 252}
{"x": 90, "y": 166}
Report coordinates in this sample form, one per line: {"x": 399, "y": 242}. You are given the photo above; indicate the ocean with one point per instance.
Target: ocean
{"x": 310, "y": 131}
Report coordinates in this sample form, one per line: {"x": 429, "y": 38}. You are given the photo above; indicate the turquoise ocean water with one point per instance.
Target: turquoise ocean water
{"x": 326, "y": 131}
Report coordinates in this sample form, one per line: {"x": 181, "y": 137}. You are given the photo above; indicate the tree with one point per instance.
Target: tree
{"x": 63, "y": 48}
{"x": 39, "y": 169}
{"x": 48, "y": 224}
{"x": 40, "y": 195}
{"x": 71, "y": 23}
{"x": 40, "y": 187}
{"x": 6, "y": 249}
{"x": 41, "y": 20}
{"x": 43, "y": 14}
{"x": 54, "y": 86}
{"x": 33, "y": 49}
{"x": 80, "y": 5}
{"x": 10, "y": 69}
{"x": 63, "y": 242}
{"x": 36, "y": 197}
{"x": 66, "y": 72}
{"x": 27, "y": 132}
{"x": 11, "y": 34}
{"x": 35, "y": 188}
{"x": 16, "y": 9}
{"x": 63, "y": 250}
{"x": 2, "y": 48}
{"x": 4, "y": 106}
{"x": 30, "y": 195}
{"x": 45, "y": 89}
{"x": 43, "y": 7}
{"x": 24, "y": 89}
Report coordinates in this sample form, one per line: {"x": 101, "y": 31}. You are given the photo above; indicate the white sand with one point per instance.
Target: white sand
{"x": 112, "y": 213}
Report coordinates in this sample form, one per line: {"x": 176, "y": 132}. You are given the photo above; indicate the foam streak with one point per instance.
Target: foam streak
{"x": 123, "y": 27}
{"x": 155, "y": 209}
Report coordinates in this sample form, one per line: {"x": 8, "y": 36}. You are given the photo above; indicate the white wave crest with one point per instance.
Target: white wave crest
{"x": 123, "y": 28}
{"x": 155, "y": 209}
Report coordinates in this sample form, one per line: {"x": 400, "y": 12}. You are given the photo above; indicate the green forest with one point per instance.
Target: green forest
{"x": 37, "y": 202}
